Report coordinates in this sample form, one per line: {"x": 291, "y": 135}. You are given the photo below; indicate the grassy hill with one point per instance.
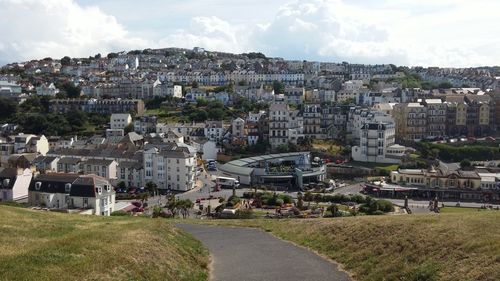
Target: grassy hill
{"x": 38, "y": 245}
{"x": 451, "y": 246}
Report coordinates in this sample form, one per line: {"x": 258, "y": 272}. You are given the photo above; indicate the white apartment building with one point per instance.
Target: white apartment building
{"x": 120, "y": 121}
{"x": 377, "y": 144}
{"x": 170, "y": 167}
{"x": 278, "y": 124}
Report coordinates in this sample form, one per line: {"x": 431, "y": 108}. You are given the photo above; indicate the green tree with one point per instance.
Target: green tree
{"x": 216, "y": 113}
{"x": 201, "y": 102}
{"x": 152, "y": 188}
{"x": 445, "y": 85}
{"x": 278, "y": 87}
{"x": 70, "y": 89}
{"x": 66, "y": 61}
{"x": 112, "y": 55}
{"x": 8, "y": 108}
{"x": 282, "y": 148}
{"x": 77, "y": 119}
{"x": 129, "y": 128}
{"x": 334, "y": 210}
{"x": 465, "y": 164}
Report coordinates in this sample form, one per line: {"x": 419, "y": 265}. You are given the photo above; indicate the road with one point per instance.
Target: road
{"x": 253, "y": 255}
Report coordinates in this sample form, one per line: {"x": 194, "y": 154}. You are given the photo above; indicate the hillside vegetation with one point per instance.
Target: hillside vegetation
{"x": 417, "y": 247}
{"x": 37, "y": 245}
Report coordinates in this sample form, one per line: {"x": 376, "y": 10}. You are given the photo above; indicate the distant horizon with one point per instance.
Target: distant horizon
{"x": 445, "y": 33}
{"x": 2, "y": 63}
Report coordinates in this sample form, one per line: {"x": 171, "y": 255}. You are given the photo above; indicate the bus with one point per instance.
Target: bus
{"x": 225, "y": 182}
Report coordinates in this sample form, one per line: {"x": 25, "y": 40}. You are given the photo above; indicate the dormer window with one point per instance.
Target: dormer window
{"x": 38, "y": 185}
{"x": 67, "y": 187}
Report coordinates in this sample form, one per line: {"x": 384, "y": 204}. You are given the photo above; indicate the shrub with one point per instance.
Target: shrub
{"x": 232, "y": 201}
{"x": 287, "y": 199}
{"x": 385, "y": 206}
{"x": 378, "y": 213}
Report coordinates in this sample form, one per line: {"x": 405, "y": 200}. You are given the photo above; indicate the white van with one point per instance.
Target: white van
{"x": 227, "y": 182}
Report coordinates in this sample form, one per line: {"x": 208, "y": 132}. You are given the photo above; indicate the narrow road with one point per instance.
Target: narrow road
{"x": 249, "y": 254}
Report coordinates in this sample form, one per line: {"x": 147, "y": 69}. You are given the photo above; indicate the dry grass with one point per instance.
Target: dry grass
{"x": 326, "y": 146}
{"x": 48, "y": 246}
{"x": 418, "y": 247}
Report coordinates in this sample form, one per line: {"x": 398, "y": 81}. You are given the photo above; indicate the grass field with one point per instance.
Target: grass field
{"x": 37, "y": 245}
{"x": 380, "y": 166}
{"x": 463, "y": 246}
{"x": 460, "y": 210}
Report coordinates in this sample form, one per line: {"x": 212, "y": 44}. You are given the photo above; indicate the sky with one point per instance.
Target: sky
{"x": 445, "y": 33}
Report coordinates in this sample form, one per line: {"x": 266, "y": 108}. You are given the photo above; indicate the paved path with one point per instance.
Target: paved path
{"x": 248, "y": 254}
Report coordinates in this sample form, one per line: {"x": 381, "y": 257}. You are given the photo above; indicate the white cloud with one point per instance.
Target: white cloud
{"x": 418, "y": 32}
{"x": 35, "y": 29}
{"x": 212, "y": 33}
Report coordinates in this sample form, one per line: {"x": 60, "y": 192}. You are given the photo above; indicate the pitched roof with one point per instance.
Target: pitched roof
{"x": 99, "y": 162}
{"x": 70, "y": 160}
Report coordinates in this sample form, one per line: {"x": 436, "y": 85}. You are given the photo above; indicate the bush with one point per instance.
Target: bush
{"x": 385, "y": 206}
{"x": 378, "y": 213}
{"x": 232, "y": 201}
{"x": 287, "y": 199}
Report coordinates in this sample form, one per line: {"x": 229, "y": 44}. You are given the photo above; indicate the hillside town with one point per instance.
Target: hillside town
{"x": 78, "y": 134}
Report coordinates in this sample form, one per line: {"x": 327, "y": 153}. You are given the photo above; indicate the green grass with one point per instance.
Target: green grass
{"x": 460, "y": 210}
{"x": 38, "y": 245}
{"x": 380, "y": 166}
{"x": 463, "y": 246}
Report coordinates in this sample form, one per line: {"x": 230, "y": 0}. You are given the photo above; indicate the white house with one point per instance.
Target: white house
{"x": 131, "y": 173}
{"x": 10, "y": 88}
{"x": 69, "y": 165}
{"x": 214, "y": 130}
{"x": 238, "y": 129}
{"x": 14, "y": 184}
{"x": 26, "y": 143}
{"x": 100, "y": 167}
{"x": 45, "y": 164}
{"x": 207, "y": 148}
{"x": 44, "y": 90}
{"x": 120, "y": 120}
{"x": 174, "y": 137}
{"x": 88, "y": 194}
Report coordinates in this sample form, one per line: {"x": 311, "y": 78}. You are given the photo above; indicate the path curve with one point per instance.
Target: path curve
{"x": 249, "y": 254}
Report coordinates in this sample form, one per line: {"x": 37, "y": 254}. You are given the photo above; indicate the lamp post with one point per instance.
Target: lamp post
{"x": 209, "y": 201}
